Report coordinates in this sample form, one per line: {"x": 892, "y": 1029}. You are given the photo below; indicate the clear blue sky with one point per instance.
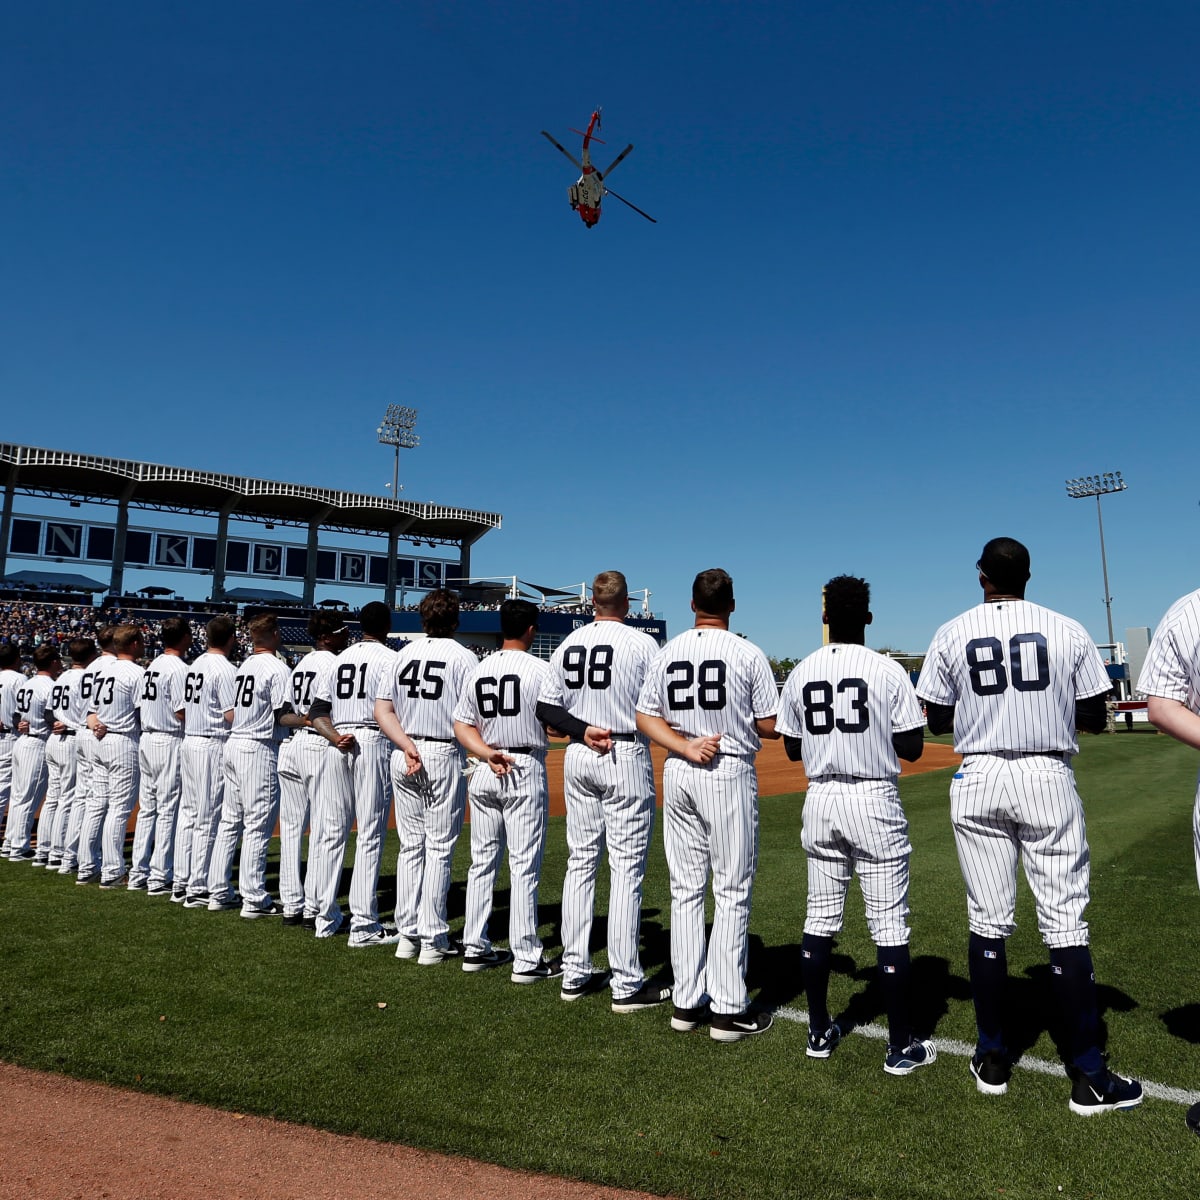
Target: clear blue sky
{"x": 916, "y": 264}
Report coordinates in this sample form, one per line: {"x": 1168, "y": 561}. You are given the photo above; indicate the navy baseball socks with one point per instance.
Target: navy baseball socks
{"x": 815, "y": 952}
{"x": 1094, "y": 1088}
{"x": 988, "y": 965}
{"x": 895, "y": 967}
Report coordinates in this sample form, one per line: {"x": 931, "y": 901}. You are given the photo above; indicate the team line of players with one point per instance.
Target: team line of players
{"x": 216, "y": 754}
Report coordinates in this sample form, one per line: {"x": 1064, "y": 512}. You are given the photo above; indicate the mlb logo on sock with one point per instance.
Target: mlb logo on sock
{"x": 989, "y": 954}
{"x": 1056, "y": 970}
{"x": 889, "y": 969}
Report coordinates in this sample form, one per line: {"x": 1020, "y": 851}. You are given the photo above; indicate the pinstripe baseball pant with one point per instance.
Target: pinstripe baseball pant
{"x": 299, "y": 758}
{"x": 710, "y": 822}
{"x": 29, "y": 778}
{"x": 512, "y": 808}
{"x": 1010, "y": 806}
{"x": 62, "y": 764}
{"x": 351, "y": 787}
{"x": 117, "y": 762}
{"x": 158, "y": 808}
{"x": 248, "y": 812}
{"x": 202, "y": 768}
{"x": 430, "y": 807}
{"x": 6, "y": 749}
{"x": 857, "y": 825}
{"x": 85, "y": 757}
{"x": 610, "y": 799}
{"x": 91, "y": 825}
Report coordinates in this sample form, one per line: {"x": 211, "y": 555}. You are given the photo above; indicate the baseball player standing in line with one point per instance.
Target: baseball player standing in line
{"x": 415, "y": 705}
{"x": 207, "y": 713}
{"x": 158, "y": 761}
{"x": 591, "y": 694}
{"x": 852, "y": 714}
{"x": 92, "y": 803}
{"x": 10, "y": 679}
{"x": 353, "y": 784}
{"x": 1014, "y": 681}
{"x": 1170, "y": 679}
{"x": 496, "y": 720}
{"x": 61, "y": 765}
{"x": 299, "y": 760}
{"x": 261, "y": 710}
{"x": 29, "y": 776}
{"x": 84, "y": 653}
{"x": 114, "y": 720}
{"x": 708, "y": 699}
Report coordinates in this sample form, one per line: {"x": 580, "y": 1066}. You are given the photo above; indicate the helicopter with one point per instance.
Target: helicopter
{"x": 590, "y": 189}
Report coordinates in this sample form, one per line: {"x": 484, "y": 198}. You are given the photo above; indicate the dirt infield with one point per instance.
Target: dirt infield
{"x": 75, "y": 1140}
{"x": 776, "y": 776}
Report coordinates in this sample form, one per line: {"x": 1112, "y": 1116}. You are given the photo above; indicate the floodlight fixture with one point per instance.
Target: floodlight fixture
{"x": 396, "y": 429}
{"x": 1095, "y": 485}
{"x": 1103, "y": 484}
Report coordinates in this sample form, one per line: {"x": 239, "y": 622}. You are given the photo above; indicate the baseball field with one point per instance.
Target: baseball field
{"x": 251, "y": 1017}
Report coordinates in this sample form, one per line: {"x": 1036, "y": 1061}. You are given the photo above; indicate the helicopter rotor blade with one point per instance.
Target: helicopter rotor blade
{"x": 609, "y": 192}
{"x": 562, "y": 150}
{"x": 610, "y": 169}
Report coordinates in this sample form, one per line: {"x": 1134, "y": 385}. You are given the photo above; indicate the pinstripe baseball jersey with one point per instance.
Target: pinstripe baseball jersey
{"x": 1172, "y": 666}
{"x": 708, "y": 681}
{"x": 63, "y": 695}
{"x": 262, "y": 685}
{"x": 81, "y": 695}
{"x": 351, "y": 682}
{"x": 208, "y": 696}
{"x": 597, "y": 672}
{"x": 9, "y": 681}
{"x": 31, "y": 702}
{"x": 115, "y": 701}
{"x": 304, "y": 678}
{"x": 162, "y": 694}
{"x": 425, "y": 684}
{"x": 1013, "y": 670}
{"x": 845, "y": 702}
{"x": 500, "y": 700}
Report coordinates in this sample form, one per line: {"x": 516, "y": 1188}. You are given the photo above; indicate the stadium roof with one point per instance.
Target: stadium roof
{"x": 85, "y": 478}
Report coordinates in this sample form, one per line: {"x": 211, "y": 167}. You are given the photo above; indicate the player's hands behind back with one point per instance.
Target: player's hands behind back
{"x": 702, "y": 750}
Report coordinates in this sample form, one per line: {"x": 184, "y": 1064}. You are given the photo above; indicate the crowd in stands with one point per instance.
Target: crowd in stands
{"x": 30, "y": 623}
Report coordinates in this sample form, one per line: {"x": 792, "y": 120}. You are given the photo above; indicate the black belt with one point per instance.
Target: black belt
{"x": 616, "y": 737}
{"x": 521, "y": 749}
{"x": 66, "y": 733}
{"x": 421, "y": 737}
{"x": 360, "y": 725}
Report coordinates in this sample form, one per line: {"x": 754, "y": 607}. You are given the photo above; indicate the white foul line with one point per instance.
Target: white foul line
{"x": 1160, "y": 1091}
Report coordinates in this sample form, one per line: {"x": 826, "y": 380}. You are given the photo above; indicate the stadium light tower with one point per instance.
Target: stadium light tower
{"x": 1099, "y": 485}
{"x": 397, "y": 430}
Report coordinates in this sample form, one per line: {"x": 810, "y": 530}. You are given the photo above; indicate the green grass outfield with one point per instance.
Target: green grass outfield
{"x": 254, "y": 1017}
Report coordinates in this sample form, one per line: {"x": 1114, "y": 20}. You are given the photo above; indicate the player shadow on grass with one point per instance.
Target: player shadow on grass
{"x": 932, "y": 987}
{"x": 1183, "y": 1022}
{"x": 774, "y": 971}
{"x": 1031, "y": 1010}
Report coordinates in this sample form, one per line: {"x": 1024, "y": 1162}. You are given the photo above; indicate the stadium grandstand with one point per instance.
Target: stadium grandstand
{"x": 70, "y": 552}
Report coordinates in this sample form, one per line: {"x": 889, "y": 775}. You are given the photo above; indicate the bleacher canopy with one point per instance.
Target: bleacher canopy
{"x": 253, "y": 595}
{"x": 52, "y": 582}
